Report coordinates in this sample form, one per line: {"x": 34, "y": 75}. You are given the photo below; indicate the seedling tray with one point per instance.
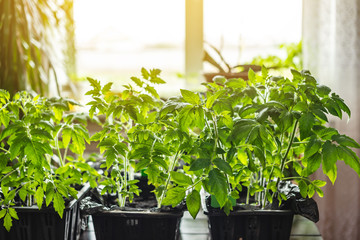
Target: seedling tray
{"x": 46, "y": 224}
{"x": 136, "y": 225}
{"x": 251, "y": 225}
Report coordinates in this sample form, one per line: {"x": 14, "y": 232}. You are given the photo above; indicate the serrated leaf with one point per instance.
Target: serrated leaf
{"x": 319, "y": 183}
{"x": 311, "y": 191}
{"x": 313, "y": 164}
{"x": 190, "y": 97}
{"x": 323, "y": 90}
{"x": 145, "y": 73}
{"x": 252, "y": 75}
{"x": 303, "y": 188}
{"x": 346, "y": 141}
{"x": 193, "y": 202}
{"x": 39, "y": 197}
{"x": 106, "y": 88}
{"x": 342, "y": 105}
{"x": 306, "y": 122}
{"x": 223, "y": 166}
{"x": 66, "y": 136}
{"x": 319, "y": 192}
{"x": 7, "y": 222}
{"x": 49, "y": 194}
{"x": 312, "y": 147}
{"x": 218, "y": 186}
{"x": 2, "y": 213}
{"x": 152, "y": 91}
{"x": 199, "y": 164}
{"x": 33, "y": 152}
{"x": 350, "y": 158}
{"x": 59, "y": 204}
{"x": 13, "y": 213}
{"x": 211, "y": 99}
{"x": 330, "y": 156}
{"x": 22, "y": 194}
{"x": 174, "y": 196}
{"x": 181, "y": 178}
{"x": 137, "y": 81}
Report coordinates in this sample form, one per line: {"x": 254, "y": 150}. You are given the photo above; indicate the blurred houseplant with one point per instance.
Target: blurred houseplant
{"x": 29, "y": 44}
{"x": 214, "y": 57}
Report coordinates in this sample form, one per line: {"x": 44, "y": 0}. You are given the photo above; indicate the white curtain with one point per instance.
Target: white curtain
{"x": 331, "y": 42}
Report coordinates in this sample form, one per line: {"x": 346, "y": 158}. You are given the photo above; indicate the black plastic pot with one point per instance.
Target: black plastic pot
{"x": 134, "y": 225}
{"x": 251, "y": 225}
{"x": 46, "y": 224}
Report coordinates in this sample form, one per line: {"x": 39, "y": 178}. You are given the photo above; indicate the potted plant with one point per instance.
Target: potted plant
{"x": 38, "y": 170}
{"x": 135, "y": 138}
{"x": 256, "y": 135}
{"x": 215, "y": 58}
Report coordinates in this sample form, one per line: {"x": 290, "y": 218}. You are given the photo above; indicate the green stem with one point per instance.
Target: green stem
{"x": 297, "y": 178}
{"x": 58, "y": 147}
{"x": 172, "y": 166}
{"x": 282, "y": 166}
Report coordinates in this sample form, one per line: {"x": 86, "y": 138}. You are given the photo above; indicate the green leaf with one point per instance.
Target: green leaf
{"x": 174, "y": 196}
{"x": 39, "y": 196}
{"x": 59, "y": 204}
{"x": 181, "y": 178}
{"x": 330, "y": 156}
{"x": 2, "y": 213}
{"x": 311, "y": 191}
{"x": 319, "y": 183}
{"x": 23, "y": 193}
{"x": 319, "y": 192}
{"x": 137, "y": 81}
{"x": 252, "y": 75}
{"x": 218, "y": 186}
{"x": 210, "y": 100}
{"x": 13, "y": 213}
{"x": 313, "y": 164}
{"x": 66, "y": 136}
{"x": 312, "y": 147}
{"x": 193, "y": 202}
{"x": 346, "y": 141}
{"x": 33, "y": 152}
{"x": 323, "y": 90}
{"x": 342, "y": 105}
{"x": 8, "y": 222}
{"x": 350, "y": 158}
{"x": 200, "y": 163}
{"x": 49, "y": 194}
{"x": 145, "y": 73}
{"x": 306, "y": 122}
{"x": 152, "y": 91}
{"x": 223, "y": 166}
{"x": 264, "y": 72}
{"x": 106, "y": 88}
{"x": 190, "y": 97}
{"x": 303, "y": 188}
{"x": 153, "y": 173}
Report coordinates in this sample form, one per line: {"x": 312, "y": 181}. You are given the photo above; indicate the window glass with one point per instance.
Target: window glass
{"x": 243, "y": 29}
{"x": 115, "y": 38}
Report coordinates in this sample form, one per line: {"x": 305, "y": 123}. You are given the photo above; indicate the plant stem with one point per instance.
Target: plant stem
{"x": 282, "y": 165}
{"x": 172, "y": 166}
{"x": 295, "y": 178}
{"x": 57, "y": 145}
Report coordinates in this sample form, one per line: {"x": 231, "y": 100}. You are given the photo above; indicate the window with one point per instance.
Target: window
{"x": 115, "y": 38}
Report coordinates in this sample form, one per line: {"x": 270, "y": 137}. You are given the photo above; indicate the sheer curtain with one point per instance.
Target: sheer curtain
{"x": 331, "y": 41}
